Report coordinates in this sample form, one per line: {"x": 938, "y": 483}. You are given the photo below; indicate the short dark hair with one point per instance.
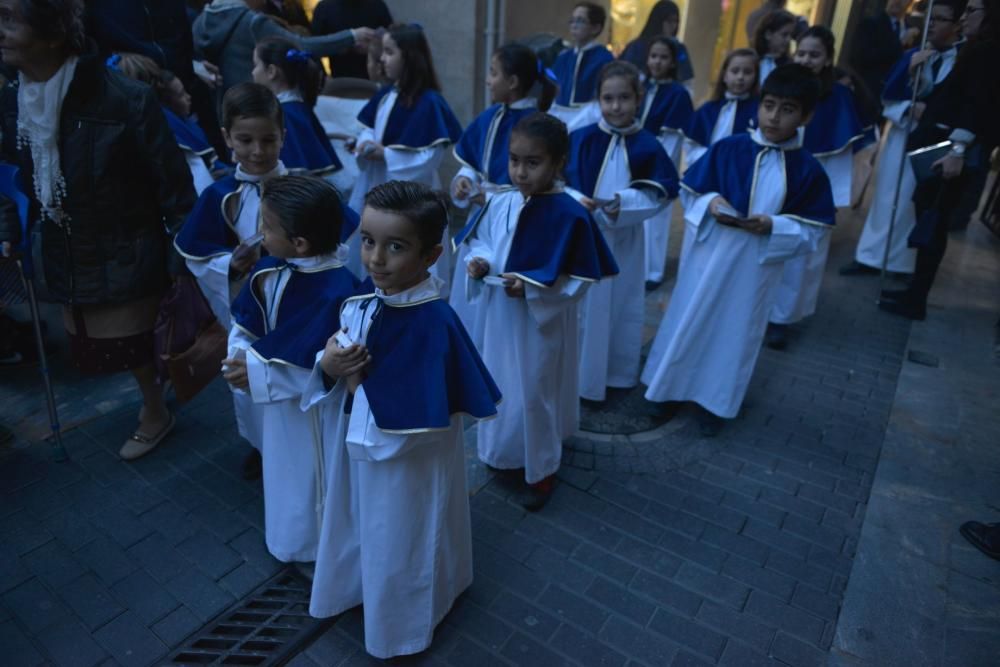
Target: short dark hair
{"x": 307, "y": 207}
{"x": 956, "y": 7}
{"x": 772, "y": 22}
{"x": 796, "y": 82}
{"x": 418, "y": 65}
{"x": 549, "y": 130}
{"x": 250, "y": 100}
{"x": 57, "y": 20}
{"x": 426, "y": 209}
{"x": 671, "y": 45}
{"x": 623, "y": 69}
{"x": 299, "y": 68}
{"x": 595, "y": 13}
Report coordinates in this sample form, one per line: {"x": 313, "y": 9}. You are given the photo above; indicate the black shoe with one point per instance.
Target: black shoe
{"x": 666, "y": 410}
{"x": 652, "y": 285}
{"x": 904, "y": 308}
{"x": 710, "y": 424}
{"x": 533, "y": 497}
{"x": 856, "y": 268}
{"x": 776, "y": 336}
{"x": 253, "y": 465}
{"x": 894, "y": 295}
{"x": 983, "y": 536}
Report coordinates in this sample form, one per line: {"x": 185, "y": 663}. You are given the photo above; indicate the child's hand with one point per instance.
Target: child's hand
{"x": 353, "y": 382}
{"x": 478, "y": 267}
{"x": 614, "y": 208}
{"x": 351, "y": 144}
{"x": 243, "y": 259}
{"x": 758, "y": 224}
{"x": 236, "y": 372}
{"x": 371, "y": 150}
{"x": 479, "y": 199}
{"x": 589, "y": 204}
{"x": 340, "y": 362}
{"x": 463, "y": 188}
{"x": 514, "y": 286}
{"x": 718, "y": 204}
{"x": 920, "y": 57}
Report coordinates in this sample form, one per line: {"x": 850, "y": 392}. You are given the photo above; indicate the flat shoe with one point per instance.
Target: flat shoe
{"x": 983, "y": 536}
{"x": 140, "y": 444}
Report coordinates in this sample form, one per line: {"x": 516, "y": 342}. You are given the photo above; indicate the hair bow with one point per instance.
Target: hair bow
{"x": 113, "y": 61}
{"x": 545, "y": 71}
{"x": 296, "y": 56}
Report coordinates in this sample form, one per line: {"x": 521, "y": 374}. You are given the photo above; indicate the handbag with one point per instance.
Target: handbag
{"x": 190, "y": 343}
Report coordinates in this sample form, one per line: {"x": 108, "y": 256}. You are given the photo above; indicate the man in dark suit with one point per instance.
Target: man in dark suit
{"x": 880, "y": 42}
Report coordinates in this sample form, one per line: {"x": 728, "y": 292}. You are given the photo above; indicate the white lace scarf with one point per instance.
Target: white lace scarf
{"x": 39, "y": 106}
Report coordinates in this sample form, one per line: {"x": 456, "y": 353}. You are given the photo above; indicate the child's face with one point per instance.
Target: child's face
{"x": 740, "y": 75}
{"x": 391, "y": 59}
{"x": 374, "y": 62}
{"x": 670, "y": 26}
{"x": 255, "y": 142}
{"x": 944, "y": 29}
{"x": 391, "y": 251}
{"x": 812, "y": 54}
{"x": 779, "y": 117}
{"x": 276, "y": 240}
{"x": 531, "y": 168}
{"x": 581, "y": 30}
{"x": 265, "y": 75}
{"x": 503, "y": 88}
{"x": 618, "y": 101}
{"x": 659, "y": 61}
{"x": 178, "y": 99}
{"x": 779, "y": 40}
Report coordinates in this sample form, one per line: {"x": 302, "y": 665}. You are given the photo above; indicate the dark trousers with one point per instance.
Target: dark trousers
{"x": 937, "y": 198}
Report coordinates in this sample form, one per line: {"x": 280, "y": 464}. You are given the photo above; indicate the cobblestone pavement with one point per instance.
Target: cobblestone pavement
{"x": 659, "y": 548}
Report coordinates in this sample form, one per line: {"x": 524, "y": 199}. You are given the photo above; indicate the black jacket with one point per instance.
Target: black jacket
{"x": 127, "y": 184}
{"x": 876, "y": 50}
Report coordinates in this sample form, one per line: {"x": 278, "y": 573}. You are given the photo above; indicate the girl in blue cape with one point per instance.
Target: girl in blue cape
{"x": 576, "y": 68}
{"x": 833, "y": 135}
{"x": 408, "y": 127}
{"x": 731, "y": 109}
{"x": 482, "y": 151}
{"x": 623, "y": 176}
{"x": 281, "y": 318}
{"x": 296, "y": 78}
{"x": 533, "y": 253}
{"x": 755, "y": 200}
{"x": 413, "y": 372}
{"x": 771, "y": 40}
{"x": 666, "y": 112}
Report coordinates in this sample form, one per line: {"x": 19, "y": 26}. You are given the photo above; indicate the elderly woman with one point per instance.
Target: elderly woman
{"x": 107, "y": 184}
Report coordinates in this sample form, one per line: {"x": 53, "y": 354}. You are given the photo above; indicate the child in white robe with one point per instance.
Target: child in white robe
{"x": 731, "y": 109}
{"x": 220, "y": 241}
{"x": 623, "y": 176}
{"x": 539, "y": 249}
{"x": 771, "y": 40}
{"x": 576, "y": 67}
{"x": 276, "y": 325}
{"x": 408, "y": 128}
{"x": 751, "y": 203}
{"x": 413, "y": 372}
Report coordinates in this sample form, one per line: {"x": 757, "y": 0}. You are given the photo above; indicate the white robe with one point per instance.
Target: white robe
{"x": 723, "y": 128}
{"x": 617, "y": 306}
{"x": 419, "y": 164}
{"x": 413, "y": 514}
{"x": 657, "y": 228}
{"x": 530, "y": 349}
{"x": 292, "y": 443}
{"x": 200, "y": 174}
{"x": 707, "y": 344}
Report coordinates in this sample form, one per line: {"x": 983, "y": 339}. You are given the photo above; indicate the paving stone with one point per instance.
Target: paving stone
{"x": 90, "y": 499}
{"x": 711, "y": 585}
{"x": 552, "y": 535}
{"x": 524, "y": 651}
{"x": 130, "y": 642}
{"x": 570, "y": 607}
{"x": 71, "y": 528}
{"x": 738, "y": 544}
{"x": 176, "y": 626}
{"x": 506, "y": 571}
{"x": 42, "y": 499}
{"x": 210, "y": 555}
{"x": 161, "y": 560}
{"x": 171, "y": 521}
{"x": 650, "y": 557}
{"x": 145, "y": 597}
{"x": 243, "y": 580}
{"x": 736, "y": 624}
{"x": 91, "y": 600}
{"x": 618, "y": 495}
{"x": 585, "y": 649}
{"x": 467, "y": 652}
{"x": 483, "y": 591}
{"x": 332, "y": 647}
{"x": 199, "y": 594}
{"x": 758, "y": 577}
{"x": 477, "y": 622}
{"x": 685, "y": 659}
{"x": 638, "y": 643}
{"x": 17, "y": 648}
{"x": 700, "y": 638}
{"x": 796, "y": 652}
{"x": 774, "y": 612}
{"x": 525, "y": 616}
{"x": 108, "y": 560}
{"x": 558, "y": 569}
{"x": 251, "y": 546}
{"x": 34, "y": 606}
{"x": 798, "y": 569}
{"x": 23, "y": 533}
{"x": 679, "y": 521}
{"x": 830, "y": 539}
{"x": 70, "y": 645}
{"x": 122, "y": 525}
{"x": 621, "y": 601}
{"x": 605, "y": 563}
{"x": 632, "y": 524}
{"x": 693, "y": 550}
{"x": 53, "y": 563}
{"x": 776, "y": 538}
{"x": 503, "y": 539}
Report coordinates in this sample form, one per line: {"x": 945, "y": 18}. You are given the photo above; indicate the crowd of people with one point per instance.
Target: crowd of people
{"x": 361, "y": 332}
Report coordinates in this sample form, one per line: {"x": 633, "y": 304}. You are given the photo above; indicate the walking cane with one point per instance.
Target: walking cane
{"x": 915, "y": 84}
{"x": 8, "y": 186}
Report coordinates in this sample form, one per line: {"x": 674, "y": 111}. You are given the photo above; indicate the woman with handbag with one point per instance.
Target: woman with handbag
{"x": 106, "y": 183}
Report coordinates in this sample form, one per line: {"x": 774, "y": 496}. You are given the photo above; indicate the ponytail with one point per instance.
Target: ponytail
{"x": 299, "y": 68}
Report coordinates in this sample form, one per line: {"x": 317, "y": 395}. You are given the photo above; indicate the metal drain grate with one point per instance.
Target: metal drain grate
{"x": 263, "y": 629}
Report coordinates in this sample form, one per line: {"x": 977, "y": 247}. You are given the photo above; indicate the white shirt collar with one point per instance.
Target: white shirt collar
{"x": 317, "y": 262}
{"x": 624, "y": 131}
{"x": 241, "y": 175}
{"x": 730, "y": 96}
{"x": 524, "y": 103}
{"x": 429, "y": 288}
{"x": 789, "y": 144}
{"x": 293, "y": 95}
{"x": 588, "y": 46}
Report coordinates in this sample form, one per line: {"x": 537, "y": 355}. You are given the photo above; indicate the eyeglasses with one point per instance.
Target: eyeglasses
{"x": 578, "y": 21}
{"x": 940, "y": 19}
{"x": 972, "y": 10}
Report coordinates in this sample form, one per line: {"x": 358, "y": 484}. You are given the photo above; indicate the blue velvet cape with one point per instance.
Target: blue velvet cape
{"x": 428, "y": 122}
{"x": 584, "y": 88}
{"x": 671, "y": 108}
{"x": 730, "y": 168}
{"x": 191, "y": 137}
{"x": 471, "y": 149}
{"x": 835, "y": 124}
{"x": 897, "y": 83}
{"x": 306, "y": 147}
{"x": 703, "y": 121}
{"x": 424, "y": 367}
{"x": 555, "y": 236}
{"x": 308, "y": 311}
{"x": 649, "y": 164}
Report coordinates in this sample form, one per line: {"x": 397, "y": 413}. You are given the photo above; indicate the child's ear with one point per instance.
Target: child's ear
{"x": 432, "y": 255}
{"x": 302, "y": 247}
{"x": 226, "y": 138}
{"x": 806, "y": 118}
{"x": 272, "y": 72}
{"x": 514, "y": 81}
